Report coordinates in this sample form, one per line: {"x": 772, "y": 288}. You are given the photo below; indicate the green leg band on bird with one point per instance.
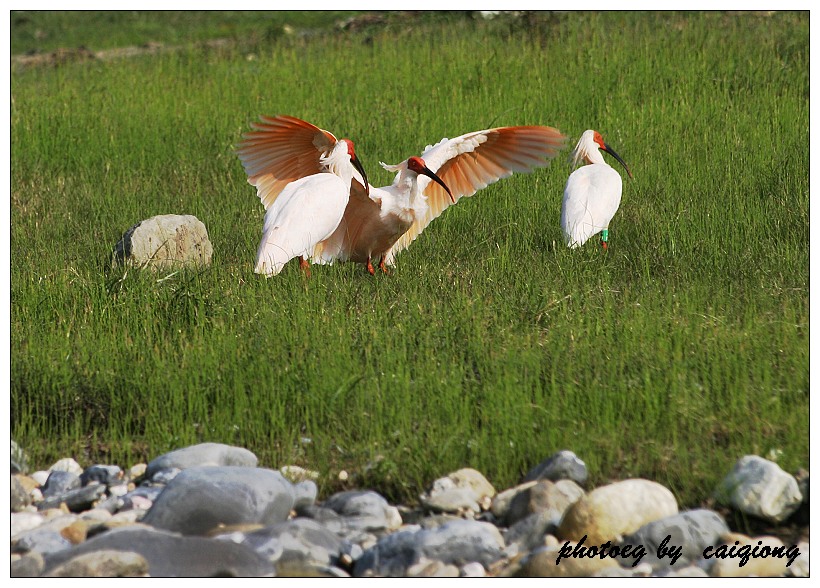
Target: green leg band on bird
{"x": 605, "y": 235}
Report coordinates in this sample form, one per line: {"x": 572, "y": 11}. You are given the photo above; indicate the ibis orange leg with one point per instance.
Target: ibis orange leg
{"x": 304, "y": 265}
{"x": 382, "y": 266}
{"x": 370, "y": 269}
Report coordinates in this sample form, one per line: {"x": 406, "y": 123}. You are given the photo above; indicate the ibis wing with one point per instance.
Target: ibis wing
{"x": 473, "y": 161}
{"x": 279, "y": 150}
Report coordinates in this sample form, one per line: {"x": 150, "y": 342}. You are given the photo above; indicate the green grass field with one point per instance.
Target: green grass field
{"x": 491, "y": 345}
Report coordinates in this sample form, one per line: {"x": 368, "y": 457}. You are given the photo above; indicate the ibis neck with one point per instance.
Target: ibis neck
{"x": 594, "y": 156}
{"x": 338, "y": 162}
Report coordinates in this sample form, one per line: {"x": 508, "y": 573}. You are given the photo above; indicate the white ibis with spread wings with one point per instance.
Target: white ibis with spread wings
{"x": 303, "y": 177}
{"x": 392, "y": 217}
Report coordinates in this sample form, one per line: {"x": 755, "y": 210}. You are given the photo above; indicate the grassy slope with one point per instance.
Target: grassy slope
{"x": 683, "y": 348}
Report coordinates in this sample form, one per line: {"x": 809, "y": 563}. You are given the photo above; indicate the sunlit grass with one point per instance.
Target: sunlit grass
{"x": 490, "y": 345}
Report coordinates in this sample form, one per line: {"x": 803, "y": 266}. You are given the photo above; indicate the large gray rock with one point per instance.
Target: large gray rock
{"x": 692, "y": 531}
{"x": 457, "y": 542}
{"x": 165, "y": 241}
{"x": 203, "y": 454}
{"x": 758, "y": 487}
{"x": 200, "y": 499}
{"x": 172, "y": 555}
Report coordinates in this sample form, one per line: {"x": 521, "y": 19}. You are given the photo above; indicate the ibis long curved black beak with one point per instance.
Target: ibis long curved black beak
{"x": 611, "y": 151}
{"x": 430, "y": 174}
{"x": 360, "y": 168}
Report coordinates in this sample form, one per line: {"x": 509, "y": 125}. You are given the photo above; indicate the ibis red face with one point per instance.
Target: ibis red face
{"x": 417, "y": 165}
{"x": 600, "y": 141}
{"x": 357, "y": 164}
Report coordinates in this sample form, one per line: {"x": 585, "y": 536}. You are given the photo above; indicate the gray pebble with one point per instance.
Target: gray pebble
{"x": 457, "y": 543}
{"x": 104, "y": 474}
{"x": 298, "y": 539}
{"x": 76, "y": 500}
{"x": 18, "y": 498}
{"x": 691, "y": 530}
{"x": 563, "y": 465}
{"x": 364, "y": 510}
{"x": 43, "y": 541}
{"x": 529, "y": 533}
{"x": 60, "y": 482}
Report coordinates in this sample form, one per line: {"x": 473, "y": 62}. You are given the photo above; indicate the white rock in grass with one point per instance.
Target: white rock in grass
{"x": 164, "y": 242}
{"x": 609, "y": 512}
{"x": 758, "y": 487}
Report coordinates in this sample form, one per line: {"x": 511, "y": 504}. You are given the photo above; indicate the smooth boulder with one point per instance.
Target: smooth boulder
{"x": 612, "y": 511}
{"x": 203, "y": 454}
{"x": 164, "y": 242}
{"x": 201, "y": 499}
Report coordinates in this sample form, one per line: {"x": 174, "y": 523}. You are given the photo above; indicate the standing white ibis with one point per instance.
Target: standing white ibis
{"x": 303, "y": 177}
{"x": 593, "y": 192}
{"x": 388, "y": 220}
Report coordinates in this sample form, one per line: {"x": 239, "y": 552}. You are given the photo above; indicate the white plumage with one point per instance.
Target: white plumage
{"x": 592, "y": 194}
{"x": 304, "y": 197}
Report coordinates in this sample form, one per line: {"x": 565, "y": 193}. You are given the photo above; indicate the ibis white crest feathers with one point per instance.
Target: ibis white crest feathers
{"x": 592, "y": 193}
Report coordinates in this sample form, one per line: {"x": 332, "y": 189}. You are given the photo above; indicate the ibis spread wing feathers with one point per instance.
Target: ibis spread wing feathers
{"x": 282, "y": 149}
{"x": 303, "y": 177}
{"x": 475, "y": 160}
